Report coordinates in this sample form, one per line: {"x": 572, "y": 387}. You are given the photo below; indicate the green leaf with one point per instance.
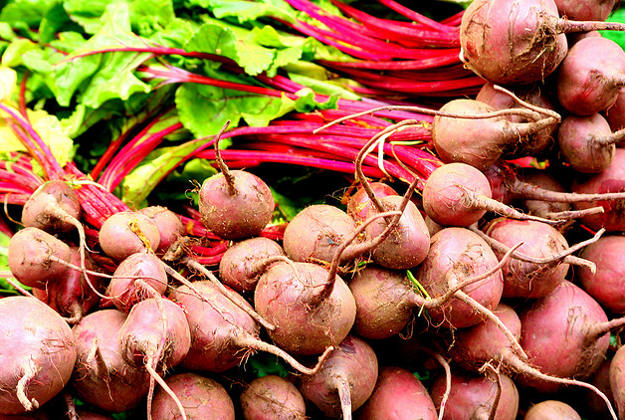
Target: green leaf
{"x": 12, "y": 56}
{"x": 4, "y": 266}
{"x": 246, "y": 11}
{"x": 324, "y": 87}
{"x": 55, "y": 20}
{"x": 267, "y": 364}
{"x": 205, "y": 109}
{"x": 28, "y": 12}
{"x": 307, "y": 102}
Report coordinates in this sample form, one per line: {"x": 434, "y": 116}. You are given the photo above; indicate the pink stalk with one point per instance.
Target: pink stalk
{"x": 417, "y": 17}
{"x": 449, "y": 58}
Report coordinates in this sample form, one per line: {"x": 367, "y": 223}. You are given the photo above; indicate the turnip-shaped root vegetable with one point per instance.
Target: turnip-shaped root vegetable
{"x": 274, "y": 397}
{"x": 551, "y": 410}
{"x": 202, "y": 398}
{"x": 345, "y": 381}
{"x": 170, "y": 227}
{"x": 234, "y": 204}
{"x": 496, "y": 45}
{"x": 38, "y": 351}
{"x": 126, "y": 233}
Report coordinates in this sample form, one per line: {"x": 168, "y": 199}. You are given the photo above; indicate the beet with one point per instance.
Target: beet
{"x": 573, "y": 326}
{"x": 345, "y": 381}
{"x": 607, "y": 285}
{"x": 480, "y": 142}
{"x": 457, "y": 194}
{"x": 540, "y": 208}
{"x": 222, "y": 335}
{"x": 71, "y": 296}
{"x": 526, "y": 279}
{"x": 239, "y": 265}
{"x": 170, "y": 227}
{"x": 456, "y": 254}
{"x": 616, "y": 113}
{"x": 305, "y": 325}
{"x": 585, "y": 9}
{"x": 202, "y": 398}
{"x": 495, "y": 44}
{"x": 601, "y": 379}
{"x": 611, "y": 180}
{"x": 127, "y": 233}
{"x": 29, "y": 252}
{"x": 102, "y": 377}
{"x": 473, "y": 397}
{"x": 272, "y": 397}
{"x": 399, "y": 395}
{"x": 587, "y": 143}
{"x": 359, "y": 204}
{"x": 617, "y": 380}
{"x": 551, "y": 410}
{"x": 407, "y": 244}
{"x": 591, "y": 76}
{"x": 315, "y": 233}
{"x": 38, "y": 351}
{"x": 146, "y": 268}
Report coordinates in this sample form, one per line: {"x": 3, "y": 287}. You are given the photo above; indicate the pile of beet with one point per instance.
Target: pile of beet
{"x": 493, "y": 290}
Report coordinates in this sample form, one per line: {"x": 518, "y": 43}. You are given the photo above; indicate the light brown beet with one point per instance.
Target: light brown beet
{"x": 127, "y": 233}
{"x": 102, "y": 377}
{"x": 238, "y": 267}
{"x": 551, "y": 410}
{"x": 201, "y": 397}
{"x": 585, "y": 9}
{"x": 359, "y": 204}
{"x": 51, "y": 206}
{"x": 170, "y": 227}
{"x": 272, "y": 397}
{"x": 345, "y": 381}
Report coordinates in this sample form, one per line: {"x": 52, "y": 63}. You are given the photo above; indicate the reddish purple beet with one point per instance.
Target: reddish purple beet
{"x": 526, "y": 279}
{"x": 574, "y": 328}
{"x": 38, "y": 351}
{"x": 616, "y": 113}
{"x": 102, "y": 377}
{"x": 607, "y": 285}
{"x": 408, "y": 244}
{"x": 125, "y": 291}
{"x": 127, "y": 233}
{"x": 551, "y": 410}
{"x": 585, "y": 9}
{"x": 587, "y": 143}
{"x": 345, "y": 381}
{"x": 601, "y": 379}
{"x": 202, "y": 398}
{"x": 169, "y": 225}
{"x": 473, "y": 397}
{"x": 316, "y": 232}
{"x": 29, "y": 252}
{"x": 272, "y": 397}
{"x": 457, "y": 254}
{"x": 398, "y": 395}
{"x": 287, "y": 295}
{"x": 591, "y": 76}
{"x": 239, "y": 265}
{"x": 71, "y": 296}
{"x": 617, "y": 380}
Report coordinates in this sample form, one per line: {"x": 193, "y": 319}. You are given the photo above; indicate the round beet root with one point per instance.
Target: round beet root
{"x": 125, "y": 292}
{"x": 587, "y": 143}
{"x": 551, "y": 410}
{"x": 345, "y": 381}
{"x": 398, "y": 395}
{"x": 601, "y": 379}
{"x": 239, "y": 213}
{"x": 525, "y": 279}
{"x": 610, "y": 180}
{"x": 38, "y": 351}
{"x": 127, "y": 233}
{"x": 272, "y": 397}
{"x": 574, "y": 328}
{"x": 169, "y": 225}
{"x": 238, "y": 267}
{"x": 591, "y": 76}
{"x": 456, "y": 254}
{"x": 202, "y": 398}
{"x": 316, "y": 232}
{"x": 30, "y": 250}
{"x": 585, "y": 9}
{"x": 359, "y": 204}
{"x": 408, "y": 244}
{"x": 607, "y": 285}
{"x": 539, "y": 207}
{"x": 616, "y": 113}
{"x": 102, "y": 377}
{"x": 50, "y": 205}
{"x": 285, "y": 296}
{"x": 473, "y": 397}
{"x": 617, "y": 380}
